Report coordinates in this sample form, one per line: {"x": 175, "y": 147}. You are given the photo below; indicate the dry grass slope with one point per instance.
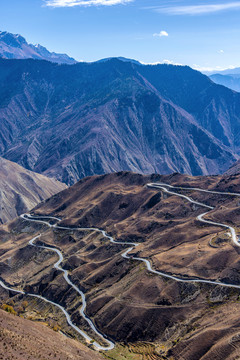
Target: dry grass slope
{"x": 129, "y": 304}
{"x": 22, "y": 339}
{"x": 21, "y": 189}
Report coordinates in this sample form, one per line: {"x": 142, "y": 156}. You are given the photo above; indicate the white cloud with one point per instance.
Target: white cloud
{"x": 198, "y": 9}
{"x": 161, "y": 34}
{"x": 71, "y": 3}
{"x": 168, "y": 62}
{"x": 221, "y": 51}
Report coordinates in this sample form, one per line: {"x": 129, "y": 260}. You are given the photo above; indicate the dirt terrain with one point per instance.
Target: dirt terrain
{"x": 125, "y": 301}
{"x": 27, "y": 340}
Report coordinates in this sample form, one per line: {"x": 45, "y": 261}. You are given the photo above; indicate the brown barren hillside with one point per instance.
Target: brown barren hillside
{"x": 126, "y": 302}
{"x": 21, "y": 189}
{"x": 22, "y": 339}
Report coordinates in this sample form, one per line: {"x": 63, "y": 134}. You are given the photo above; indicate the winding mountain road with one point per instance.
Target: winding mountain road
{"x": 125, "y": 254}
{"x": 199, "y": 217}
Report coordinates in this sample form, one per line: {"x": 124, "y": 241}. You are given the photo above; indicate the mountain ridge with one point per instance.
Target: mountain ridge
{"x": 115, "y": 116}
{"x": 232, "y": 81}
{"x": 15, "y": 46}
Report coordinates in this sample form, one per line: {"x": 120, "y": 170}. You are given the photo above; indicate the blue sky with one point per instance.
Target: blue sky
{"x": 201, "y": 33}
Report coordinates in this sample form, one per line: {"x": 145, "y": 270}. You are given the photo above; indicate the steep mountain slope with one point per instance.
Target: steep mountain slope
{"x": 21, "y": 189}
{"x": 234, "y": 169}
{"x": 114, "y": 115}
{"x": 215, "y": 108}
{"x": 125, "y": 301}
{"x": 230, "y": 81}
{"x": 14, "y": 46}
{"x": 22, "y": 339}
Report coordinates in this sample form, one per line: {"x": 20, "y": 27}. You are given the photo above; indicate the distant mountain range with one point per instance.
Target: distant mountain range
{"x": 16, "y": 47}
{"x": 232, "y": 81}
{"x": 234, "y": 71}
{"x": 229, "y": 78}
{"x": 116, "y": 114}
{"x": 92, "y": 118}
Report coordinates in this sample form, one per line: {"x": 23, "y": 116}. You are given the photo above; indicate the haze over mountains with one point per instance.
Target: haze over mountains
{"x": 230, "y": 71}
{"x": 229, "y": 78}
{"x": 232, "y": 81}
{"x": 92, "y": 118}
{"x": 14, "y": 46}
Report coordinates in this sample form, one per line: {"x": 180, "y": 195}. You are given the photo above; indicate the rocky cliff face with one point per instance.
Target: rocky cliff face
{"x": 85, "y": 119}
{"x": 21, "y": 190}
{"x": 16, "y": 47}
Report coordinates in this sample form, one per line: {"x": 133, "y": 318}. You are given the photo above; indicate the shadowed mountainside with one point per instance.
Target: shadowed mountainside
{"x": 21, "y": 189}
{"x": 73, "y": 121}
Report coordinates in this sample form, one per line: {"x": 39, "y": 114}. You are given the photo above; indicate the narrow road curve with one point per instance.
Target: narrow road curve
{"x": 199, "y": 217}
{"x": 163, "y": 187}
{"x": 65, "y": 274}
